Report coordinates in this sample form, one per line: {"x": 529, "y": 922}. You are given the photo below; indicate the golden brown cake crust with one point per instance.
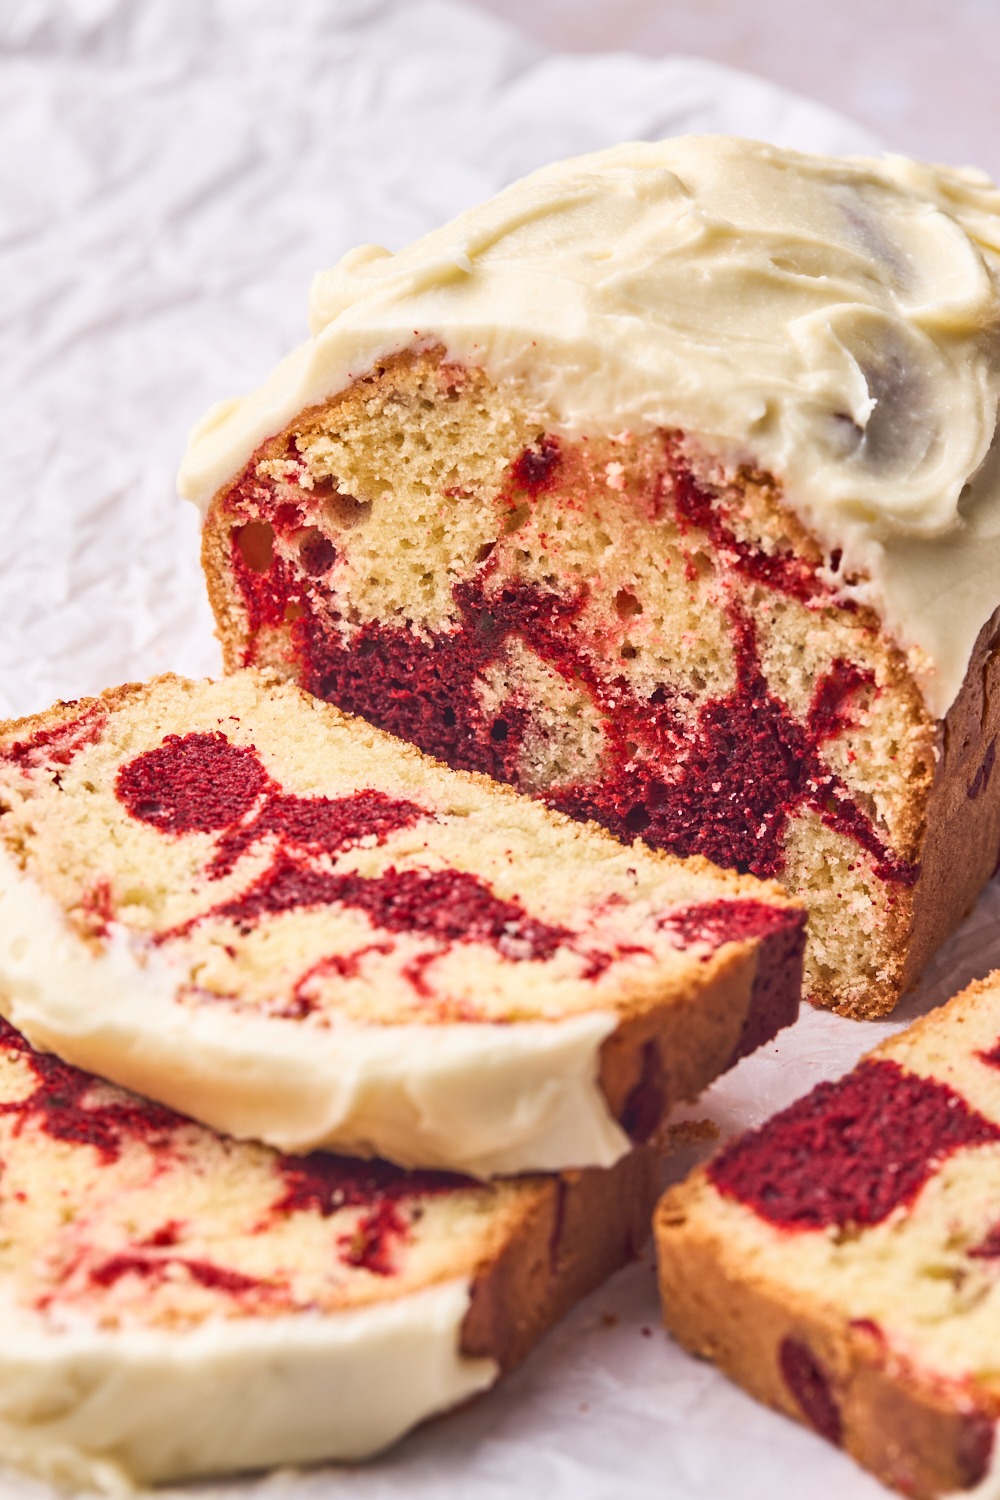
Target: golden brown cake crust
{"x": 580, "y": 1227}
{"x": 961, "y": 838}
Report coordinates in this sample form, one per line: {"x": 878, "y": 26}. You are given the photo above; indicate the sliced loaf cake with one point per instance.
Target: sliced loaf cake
{"x": 235, "y": 900}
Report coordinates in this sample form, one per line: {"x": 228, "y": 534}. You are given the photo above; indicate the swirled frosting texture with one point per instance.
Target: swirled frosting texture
{"x": 832, "y": 321}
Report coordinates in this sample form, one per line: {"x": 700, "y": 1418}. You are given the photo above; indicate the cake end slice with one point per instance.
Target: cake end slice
{"x": 842, "y": 1262}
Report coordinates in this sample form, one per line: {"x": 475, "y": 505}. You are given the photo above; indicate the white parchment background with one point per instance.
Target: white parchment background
{"x": 172, "y": 173}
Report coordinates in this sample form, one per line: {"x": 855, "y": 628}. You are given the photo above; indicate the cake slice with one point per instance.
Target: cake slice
{"x": 842, "y": 1262}
{"x": 235, "y": 900}
{"x": 662, "y": 486}
{"x": 176, "y": 1304}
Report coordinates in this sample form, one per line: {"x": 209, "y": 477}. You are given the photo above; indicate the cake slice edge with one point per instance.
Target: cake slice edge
{"x": 478, "y": 1097}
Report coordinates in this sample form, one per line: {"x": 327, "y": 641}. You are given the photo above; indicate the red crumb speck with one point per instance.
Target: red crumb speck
{"x": 535, "y": 469}
{"x": 168, "y": 1234}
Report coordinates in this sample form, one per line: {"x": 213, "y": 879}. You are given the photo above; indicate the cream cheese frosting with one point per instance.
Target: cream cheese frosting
{"x": 110, "y": 1408}
{"x": 832, "y": 321}
{"x": 477, "y": 1098}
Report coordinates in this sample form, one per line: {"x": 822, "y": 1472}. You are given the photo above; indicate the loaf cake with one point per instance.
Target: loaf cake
{"x": 235, "y": 900}
{"x": 842, "y": 1262}
{"x": 176, "y": 1303}
{"x": 663, "y": 487}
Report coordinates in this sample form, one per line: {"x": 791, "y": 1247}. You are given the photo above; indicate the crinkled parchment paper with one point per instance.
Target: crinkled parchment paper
{"x": 172, "y": 173}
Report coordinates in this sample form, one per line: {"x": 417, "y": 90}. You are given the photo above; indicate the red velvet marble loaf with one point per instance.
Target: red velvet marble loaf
{"x": 842, "y": 1262}
{"x": 638, "y": 488}
{"x": 176, "y": 1304}
{"x": 234, "y": 899}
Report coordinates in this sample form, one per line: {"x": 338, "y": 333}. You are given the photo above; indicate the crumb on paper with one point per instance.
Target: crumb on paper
{"x": 687, "y": 1133}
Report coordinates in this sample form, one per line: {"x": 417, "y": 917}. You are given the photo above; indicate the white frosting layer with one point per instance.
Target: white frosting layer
{"x": 110, "y": 1408}
{"x": 834, "y": 321}
{"x": 475, "y": 1097}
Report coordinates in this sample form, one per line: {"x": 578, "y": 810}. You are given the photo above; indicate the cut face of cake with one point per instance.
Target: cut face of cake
{"x": 237, "y": 901}
{"x": 662, "y": 487}
{"x": 842, "y": 1262}
{"x": 176, "y": 1303}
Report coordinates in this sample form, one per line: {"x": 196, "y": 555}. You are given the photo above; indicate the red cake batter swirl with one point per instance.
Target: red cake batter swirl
{"x": 724, "y": 786}
{"x": 850, "y": 1152}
